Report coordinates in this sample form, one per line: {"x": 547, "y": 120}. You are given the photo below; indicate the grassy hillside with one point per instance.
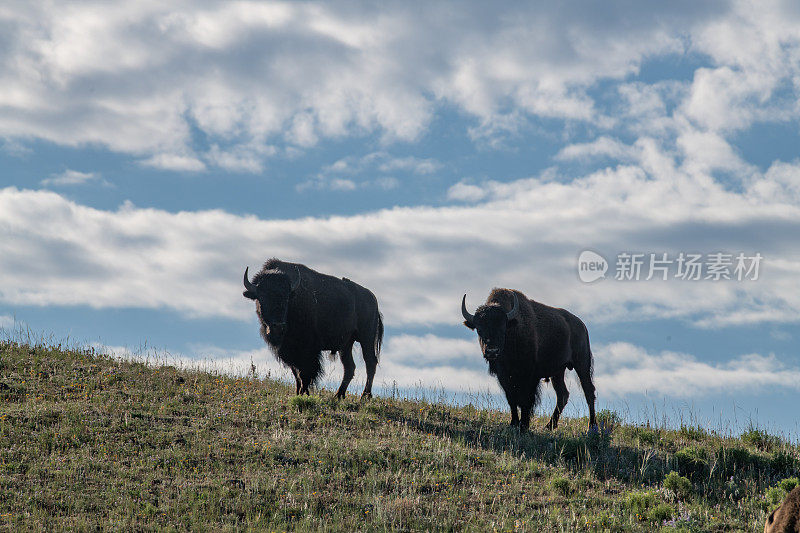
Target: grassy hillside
{"x": 88, "y": 440}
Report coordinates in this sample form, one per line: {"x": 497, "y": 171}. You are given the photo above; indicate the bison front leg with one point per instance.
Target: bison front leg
{"x": 309, "y": 372}
{"x": 513, "y": 406}
{"x": 297, "y": 383}
{"x": 525, "y": 418}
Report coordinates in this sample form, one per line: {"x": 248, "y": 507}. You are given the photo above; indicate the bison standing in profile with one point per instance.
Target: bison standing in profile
{"x": 304, "y": 313}
{"x": 525, "y": 341}
{"x": 786, "y": 518}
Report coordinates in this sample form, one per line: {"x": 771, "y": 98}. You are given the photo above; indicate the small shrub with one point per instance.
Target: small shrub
{"x": 661, "y": 512}
{"x": 737, "y": 458}
{"x": 789, "y": 484}
{"x": 733, "y": 491}
{"x": 775, "y": 495}
{"x": 604, "y": 520}
{"x": 645, "y": 436}
{"x": 376, "y": 408}
{"x": 561, "y": 485}
{"x": 582, "y": 484}
{"x": 305, "y": 403}
{"x": 608, "y": 420}
{"x": 640, "y": 502}
{"x": 692, "y": 433}
{"x": 783, "y": 462}
{"x": 679, "y": 485}
{"x": 598, "y": 440}
{"x": 572, "y": 449}
{"x": 693, "y": 461}
{"x": 760, "y": 439}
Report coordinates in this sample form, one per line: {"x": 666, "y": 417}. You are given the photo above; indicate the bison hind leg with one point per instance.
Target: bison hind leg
{"x": 562, "y": 396}
{"x": 589, "y": 392}
{"x": 585, "y": 376}
{"x": 370, "y": 354}
{"x": 349, "y": 369}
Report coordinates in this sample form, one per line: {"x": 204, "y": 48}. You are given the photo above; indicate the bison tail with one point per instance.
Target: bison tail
{"x": 379, "y": 336}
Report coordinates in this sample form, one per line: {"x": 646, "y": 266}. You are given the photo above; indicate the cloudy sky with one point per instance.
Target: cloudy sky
{"x": 149, "y": 152}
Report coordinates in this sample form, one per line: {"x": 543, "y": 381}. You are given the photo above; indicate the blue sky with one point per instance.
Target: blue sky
{"x": 149, "y": 152}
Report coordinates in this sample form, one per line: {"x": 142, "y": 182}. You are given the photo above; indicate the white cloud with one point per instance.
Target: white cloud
{"x": 412, "y": 164}
{"x": 240, "y": 158}
{"x": 340, "y": 184}
{"x": 15, "y": 148}
{"x": 203, "y": 357}
{"x": 406, "y": 361}
{"x": 623, "y": 368}
{"x": 428, "y": 362}
{"x": 353, "y": 172}
{"x": 387, "y": 183}
{"x": 524, "y": 234}
{"x": 181, "y": 163}
{"x": 140, "y": 78}
{"x": 706, "y": 152}
{"x": 302, "y": 131}
{"x": 71, "y": 177}
{"x": 466, "y": 192}
{"x": 620, "y": 369}
{"x": 432, "y": 362}
{"x": 427, "y": 350}
{"x": 7, "y": 321}
{"x": 382, "y": 162}
{"x": 600, "y": 147}
{"x": 754, "y": 53}
{"x": 333, "y": 184}
{"x": 781, "y": 183}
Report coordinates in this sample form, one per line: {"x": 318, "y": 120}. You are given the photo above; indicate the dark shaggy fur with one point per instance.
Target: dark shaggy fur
{"x": 541, "y": 342}
{"x": 786, "y": 518}
{"x": 322, "y": 313}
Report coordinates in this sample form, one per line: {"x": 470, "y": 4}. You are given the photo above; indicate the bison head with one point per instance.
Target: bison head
{"x": 271, "y": 294}
{"x": 491, "y": 323}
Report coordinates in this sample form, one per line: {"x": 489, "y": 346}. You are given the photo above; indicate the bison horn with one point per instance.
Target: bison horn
{"x": 468, "y": 317}
{"x": 511, "y": 315}
{"x": 247, "y": 285}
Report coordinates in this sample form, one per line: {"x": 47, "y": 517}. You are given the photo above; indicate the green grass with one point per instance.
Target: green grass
{"x": 90, "y": 441}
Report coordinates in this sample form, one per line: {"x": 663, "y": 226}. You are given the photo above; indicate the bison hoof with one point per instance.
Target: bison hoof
{"x": 551, "y": 426}
{"x": 366, "y": 396}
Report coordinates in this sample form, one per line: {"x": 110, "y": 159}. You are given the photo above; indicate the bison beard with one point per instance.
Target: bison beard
{"x": 524, "y": 342}
{"x": 303, "y": 313}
